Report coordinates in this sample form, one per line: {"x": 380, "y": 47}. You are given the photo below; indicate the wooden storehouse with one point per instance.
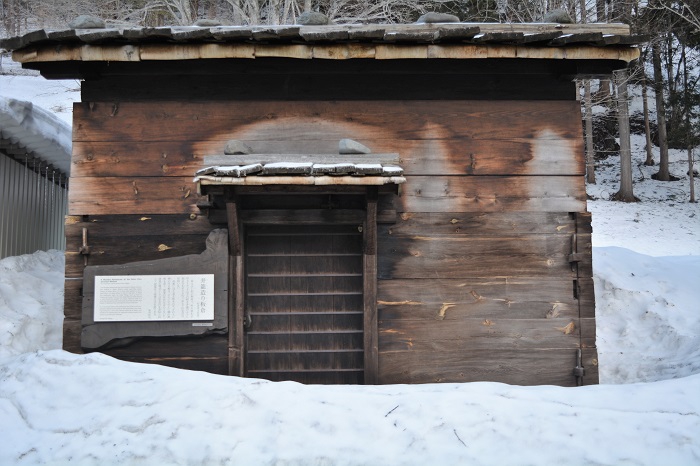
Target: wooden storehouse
{"x": 333, "y": 204}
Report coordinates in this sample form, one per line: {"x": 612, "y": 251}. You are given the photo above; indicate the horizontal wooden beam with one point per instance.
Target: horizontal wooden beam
{"x": 508, "y": 365}
{"x": 426, "y": 300}
{"x": 169, "y": 51}
{"x": 467, "y": 155}
{"x": 226, "y": 159}
{"x": 302, "y": 217}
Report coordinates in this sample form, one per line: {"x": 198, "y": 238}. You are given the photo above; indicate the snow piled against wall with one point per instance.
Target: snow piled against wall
{"x": 31, "y": 303}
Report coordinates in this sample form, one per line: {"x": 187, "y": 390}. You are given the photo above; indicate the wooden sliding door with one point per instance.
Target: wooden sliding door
{"x": 304, "y": 303}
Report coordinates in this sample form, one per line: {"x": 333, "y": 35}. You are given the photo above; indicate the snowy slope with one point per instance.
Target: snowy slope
{"x": 60, "y": 408}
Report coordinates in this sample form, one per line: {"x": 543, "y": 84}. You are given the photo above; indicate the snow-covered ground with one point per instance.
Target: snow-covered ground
{"x": 60, "y": 408}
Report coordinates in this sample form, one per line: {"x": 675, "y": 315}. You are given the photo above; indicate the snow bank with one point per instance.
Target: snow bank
{"x": 97, "y": 410}
{"x": 31, "y": 302}
{"x": 59, "y": 408}
{"x": 648, "y": 316}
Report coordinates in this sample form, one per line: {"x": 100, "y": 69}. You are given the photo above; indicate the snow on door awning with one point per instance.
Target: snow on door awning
{"x": 351, "y": 169}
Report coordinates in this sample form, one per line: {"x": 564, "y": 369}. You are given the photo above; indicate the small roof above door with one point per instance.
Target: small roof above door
{"x": 301, "y": 169}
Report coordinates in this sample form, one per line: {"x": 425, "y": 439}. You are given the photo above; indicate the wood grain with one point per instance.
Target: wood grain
{"x": 517, "y": 367}
{"x": 492, "y": 194}
{"x": 204, "y": 354}
{"x": 473, "y": 334}
{"x": 473, "y": 257}
{"x": 438, "y": 224}
{"x": 260, "y": 121}
{"x": 426, "y": 300}
{"x": 458, "y": 156}
{"x": 136, "y": 196}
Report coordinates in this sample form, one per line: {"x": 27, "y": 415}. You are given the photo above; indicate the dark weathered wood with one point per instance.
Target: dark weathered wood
{"x": 71, "y": 335}
{"x": 371, "y": 342}
{"x": 586, "y": 297}
{"x": 264, "y": 66}
{"x": 361, "y": 120}
{"x": 235, "y": 250}
{"x": 421, "y": 194}
{"x": 583, "y": 222}
{"x": 426, "y": 300}
{"x": 588, "y": 332}
{"x": 300, "y": 87}
{"x": 106, "y": 250}
{"x": 205, "y": 354}
{"x": 236, "y": 363}
{"x": 73, "y": 298}
{"x": 476, "y": 282}
{"x": 235, "y": 245}
{"x": 302, "y": 217}
{"x": 531, "y": 156}
{"x": 443, "y": 247}
{"x": 464, "y": 257}
{"x": 472, "y": 266}
{"x": 507, "y": 37}
{"x": 304, "y": 303}
{"x": 370, "y": 233}
{"x": 137, "y": 225}
{"x": 564, "y": 39}
{"x": 256, "y": 157}
{"x": 136, "y": 196}
{"x": 512, "y": 366}
{"x": 590, "y": 363}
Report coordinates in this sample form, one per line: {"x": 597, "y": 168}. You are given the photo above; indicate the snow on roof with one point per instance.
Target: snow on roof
{"x": 291, "y": 172}
{"x": 28, "y": 129}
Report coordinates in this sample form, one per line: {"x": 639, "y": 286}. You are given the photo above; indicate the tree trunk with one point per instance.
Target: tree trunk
{"x": 600, "y": 11}
{"x": 689, "y": 137}
{"x": 663, "y": 173}
{"x": 625, "y": 194}
{"x": 590, "y": 150}
{"x": 645, "y": 110}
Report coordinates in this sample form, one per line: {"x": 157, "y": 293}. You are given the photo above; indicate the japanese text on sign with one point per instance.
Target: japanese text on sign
{"x": 154, "y": 297}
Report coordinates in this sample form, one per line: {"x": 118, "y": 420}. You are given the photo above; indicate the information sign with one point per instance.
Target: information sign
{"x": 128, "y": 298}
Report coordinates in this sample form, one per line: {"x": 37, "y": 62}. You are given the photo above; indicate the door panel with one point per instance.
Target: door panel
{"x": 304, "y": 298}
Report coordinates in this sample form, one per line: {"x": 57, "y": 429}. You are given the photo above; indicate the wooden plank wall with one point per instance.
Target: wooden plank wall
{"x": 474, "y": 278}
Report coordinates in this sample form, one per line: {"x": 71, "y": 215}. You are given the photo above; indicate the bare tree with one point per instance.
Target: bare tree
{"x": 663, "y": 173}
{"x": 625, "y": 194}
{"x": 181, "y": 11}
{"x": 645, "y": 110}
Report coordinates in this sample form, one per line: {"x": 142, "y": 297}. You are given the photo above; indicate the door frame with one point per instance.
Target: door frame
{"x": 237, "y": 219}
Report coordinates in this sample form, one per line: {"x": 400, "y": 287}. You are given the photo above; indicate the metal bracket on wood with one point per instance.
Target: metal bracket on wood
{"x": 575, "y": 257}
{"x": 84, "y": 250}
{"x": 579, "y": 370}
{"x": 205, "y": 202}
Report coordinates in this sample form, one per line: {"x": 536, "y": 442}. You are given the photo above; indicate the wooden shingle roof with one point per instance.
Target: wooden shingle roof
{"x": 390, "y": 41}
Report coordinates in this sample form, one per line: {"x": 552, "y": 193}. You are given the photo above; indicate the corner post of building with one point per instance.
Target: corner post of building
{"x": 235, "y": 294}
{"x": 371, "y": 343}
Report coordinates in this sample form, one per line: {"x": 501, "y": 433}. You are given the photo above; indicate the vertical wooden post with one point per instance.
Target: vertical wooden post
{"x": 371, "y": 343}
{"x": 236, "y": 300}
